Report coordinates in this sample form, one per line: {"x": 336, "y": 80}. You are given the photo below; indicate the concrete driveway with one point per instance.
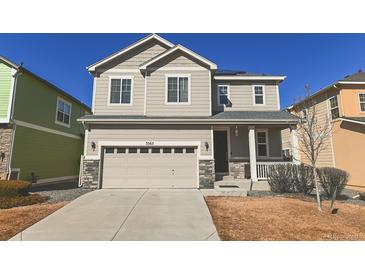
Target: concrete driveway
{"x": 128, "y": 214}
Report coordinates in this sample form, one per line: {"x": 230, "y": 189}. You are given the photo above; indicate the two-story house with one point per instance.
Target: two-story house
{"x": 342, "y": 104}
{"x": 40, "y": 138}
{"x": 164, "y": 116}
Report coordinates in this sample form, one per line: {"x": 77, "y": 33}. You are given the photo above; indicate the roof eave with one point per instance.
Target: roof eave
{"x": 242, "y": 77}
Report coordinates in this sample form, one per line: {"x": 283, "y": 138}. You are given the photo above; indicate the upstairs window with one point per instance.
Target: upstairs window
{"x": 262, "y": 143}
{"x": 362, "y": 101}
{"x": 335, "y": 113}
{"x": 223, "y": 95}
{"x": 63, "y": 112}
{"x": 178, "y": 89}
{"x": 121, "y": 90}
{"x": 259, "y": 95}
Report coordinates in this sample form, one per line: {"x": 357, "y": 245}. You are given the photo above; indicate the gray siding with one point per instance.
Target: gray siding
{"x": 242, "y": 97}
{"x": 240, "y": 146}
{"x": 132, "y": 133}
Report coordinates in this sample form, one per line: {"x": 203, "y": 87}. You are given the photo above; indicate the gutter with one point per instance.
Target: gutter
{"x": 352, "y": 121}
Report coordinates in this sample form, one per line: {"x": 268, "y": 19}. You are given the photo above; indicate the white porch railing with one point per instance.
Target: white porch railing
{"x": 262, "y": 168}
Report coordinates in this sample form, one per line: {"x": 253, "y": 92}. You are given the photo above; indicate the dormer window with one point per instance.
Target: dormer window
{"x": 177, "y": 89}
{"x": 259, "y": 95}
{"x": 121, "y": 89}
{"x": 223, "y": 95}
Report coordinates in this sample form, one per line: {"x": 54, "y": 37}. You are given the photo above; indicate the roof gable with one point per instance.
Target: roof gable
{"x": 127, "y": 49}
{"x": 174, "y": 49}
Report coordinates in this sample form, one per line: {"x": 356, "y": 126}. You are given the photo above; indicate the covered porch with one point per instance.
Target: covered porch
{"x": 244, "y": 153}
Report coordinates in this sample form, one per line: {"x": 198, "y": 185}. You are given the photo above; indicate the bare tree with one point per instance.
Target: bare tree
{"x": 314, "y": 133}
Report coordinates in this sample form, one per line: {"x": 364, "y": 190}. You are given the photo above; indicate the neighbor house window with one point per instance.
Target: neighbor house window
{"x": 223, "y": 95}
{"x": 334, "y": 107}
{"x": 178, "y": 89}
{"x": 121, "y": 90}
{"x": 262, "y": 143}
{"x": 63, "y": 112}
{"x": 362, "y": 101}
{"x": 259, "y": 94}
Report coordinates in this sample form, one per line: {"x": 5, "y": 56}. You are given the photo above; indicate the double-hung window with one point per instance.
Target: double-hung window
{"x": 178, "y": 89}
{"x": 259, "y": 95}
{"x": 121, "y": 89}
{"x": 223, "y": 95}
{"x": 362, "y": 101}
{"x": 63, "y": 112}
{"x": 335, "y": 113}
{"x": 262, "y": 143}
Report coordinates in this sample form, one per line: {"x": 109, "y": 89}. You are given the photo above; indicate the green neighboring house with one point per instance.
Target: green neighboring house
{"x": 40, "y": 139}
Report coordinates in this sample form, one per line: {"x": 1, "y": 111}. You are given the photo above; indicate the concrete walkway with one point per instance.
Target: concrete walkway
{"x": 128, "y": 214}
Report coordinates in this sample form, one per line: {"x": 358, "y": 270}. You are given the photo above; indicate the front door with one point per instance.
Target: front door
{"x": 220, "y": 152}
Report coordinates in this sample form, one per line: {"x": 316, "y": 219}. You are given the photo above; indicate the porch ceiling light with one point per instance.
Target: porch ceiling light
{"x": 236, "y": 131}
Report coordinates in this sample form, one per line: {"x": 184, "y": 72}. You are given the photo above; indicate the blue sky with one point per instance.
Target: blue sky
{"x": 317, "y": 59}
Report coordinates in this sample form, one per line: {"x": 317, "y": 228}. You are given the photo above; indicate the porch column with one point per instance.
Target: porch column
{"x": 252, "y": 145}
{"x": 294, "y": 145}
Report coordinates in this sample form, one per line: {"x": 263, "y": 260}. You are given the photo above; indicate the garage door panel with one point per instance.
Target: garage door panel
{"x": 150, "y": 170}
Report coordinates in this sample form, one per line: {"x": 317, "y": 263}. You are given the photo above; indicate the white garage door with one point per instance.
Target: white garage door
{"x": 157, "y": 167}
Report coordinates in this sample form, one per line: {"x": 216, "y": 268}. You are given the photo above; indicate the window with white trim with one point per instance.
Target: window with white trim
{"x": 262, "y": 143}
{"x": 259, "y": 94}
{"x": 63, "y": 112}
{"x": 335, "y": 113}
{"x": 223, "y": 95}
{"x": 121, "y": 90}
{"x": 362, "y": 101}
{"x": 178, "y": 89}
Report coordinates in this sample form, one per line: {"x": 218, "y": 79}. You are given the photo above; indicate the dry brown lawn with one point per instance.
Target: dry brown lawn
{"x": 284, "y": 219}
{"x": 15, "y": 220}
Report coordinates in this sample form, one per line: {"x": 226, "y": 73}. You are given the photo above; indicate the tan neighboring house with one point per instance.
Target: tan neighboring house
{"x": 165, "y": 116}
{"x": 343, "y": 102}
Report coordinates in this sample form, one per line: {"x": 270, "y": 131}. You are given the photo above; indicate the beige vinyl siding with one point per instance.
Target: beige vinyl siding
{"x": 168, "y": 133}
{"x": 134, "y": 58}
{"x": 285, "y": 137}
{"x": 102, "y": 91}
{"x": 240, "y": 145}
{"x": 325, "y": 158}
{"x": 242, "y": 96}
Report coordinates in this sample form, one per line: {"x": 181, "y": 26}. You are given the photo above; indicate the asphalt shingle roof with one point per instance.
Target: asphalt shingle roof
{"x": 359, "y": 119}
{"x": 356, "y": 77}
{"x": 238, "y": 73}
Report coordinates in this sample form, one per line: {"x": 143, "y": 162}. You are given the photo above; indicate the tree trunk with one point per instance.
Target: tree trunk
{"x": 319, "y": 202}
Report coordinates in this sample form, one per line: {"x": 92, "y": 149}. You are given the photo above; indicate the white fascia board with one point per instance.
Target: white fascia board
{"x": 352, "y": 121}
{"x": 182, "y": 48}
{"x": 350, "y": 83}
{"x": 138, "y": 43}
{"x": 190, "y": 121}
{"x": 241, "y": 77}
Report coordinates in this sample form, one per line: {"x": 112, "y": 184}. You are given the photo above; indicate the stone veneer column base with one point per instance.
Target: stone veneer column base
{"x": 5, "y": 143}
{"x": 90, "y": 174}
{"x": 237, "y": 169}
{"x": 206, "y": 173}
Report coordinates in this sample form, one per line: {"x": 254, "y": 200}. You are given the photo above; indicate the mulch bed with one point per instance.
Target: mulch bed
{"x": 285, "y": 219}
{"x": 15, "y": 220}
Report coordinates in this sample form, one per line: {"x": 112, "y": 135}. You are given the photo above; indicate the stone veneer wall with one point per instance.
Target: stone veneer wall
{"x": 90, "y": 174}
{"x": 237, "y": 169}
{"x": 5, "y": 143}
{"x": 206, "y": 173}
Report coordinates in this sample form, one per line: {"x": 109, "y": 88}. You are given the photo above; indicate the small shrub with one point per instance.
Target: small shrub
{"x": 280, "y": 178}
{"x": 15, "y": 201}
{"x": 10, "y": 188}
{"x": 303, "y": 178}
{"x": 332, "y": 180}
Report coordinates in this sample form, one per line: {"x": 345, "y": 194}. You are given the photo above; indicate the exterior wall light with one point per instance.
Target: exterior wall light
{"x": 236, "y": 131}
{"x": 93, "y": 146}
{"x": 206, "y": 145}
{"x": 2, "y": 156}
